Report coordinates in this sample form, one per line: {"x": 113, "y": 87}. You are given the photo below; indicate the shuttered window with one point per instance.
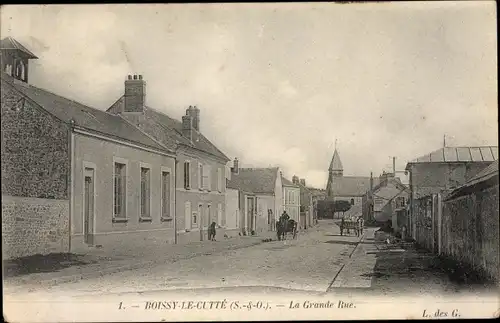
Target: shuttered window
{"x": 187, "y": 175}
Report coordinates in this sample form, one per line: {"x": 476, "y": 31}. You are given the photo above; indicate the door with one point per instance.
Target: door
{"x": 250, "y": 211}
{"x": 187, "y": 216}
{"x": 88, "y": 215}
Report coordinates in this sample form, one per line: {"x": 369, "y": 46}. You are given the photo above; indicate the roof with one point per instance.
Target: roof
{"x": 336, "y": 163}
{"x": 170, "y": 131}
{"x": 10, "y": 43}
{"x": 352, "y": 185}
{"x": 354, "y": 211}
{"x": 84, "y": 116}
{"x": 286, "y": 182}
{"x": 387, "y": 193}
{"x": 256, "y": 180}
{"x": 487, "y": 175}
{"x": 459, "y": 154}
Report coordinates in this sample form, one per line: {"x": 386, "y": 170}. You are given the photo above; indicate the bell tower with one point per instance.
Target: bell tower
{"x": 15, "y": 59}
{"x": 335, "y": 171}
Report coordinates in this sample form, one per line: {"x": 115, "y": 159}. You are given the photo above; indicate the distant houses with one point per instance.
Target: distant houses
{"x": 75, "y": 177}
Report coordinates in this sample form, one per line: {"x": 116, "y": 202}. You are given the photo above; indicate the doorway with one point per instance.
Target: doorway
{"x": 88, "y": 213}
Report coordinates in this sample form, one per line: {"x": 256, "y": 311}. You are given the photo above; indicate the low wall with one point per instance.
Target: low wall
{"x": 33, "y": 226}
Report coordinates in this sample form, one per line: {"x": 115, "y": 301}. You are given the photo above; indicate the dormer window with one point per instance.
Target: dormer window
{"x": 15, "y": 58}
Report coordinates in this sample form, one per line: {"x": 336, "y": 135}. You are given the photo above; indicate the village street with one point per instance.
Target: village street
{"x": 319, "y": 261}
{"x": 308, "y": 263}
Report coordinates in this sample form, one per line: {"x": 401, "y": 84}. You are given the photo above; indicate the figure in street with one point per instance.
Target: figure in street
{"x": 211, "y": 232}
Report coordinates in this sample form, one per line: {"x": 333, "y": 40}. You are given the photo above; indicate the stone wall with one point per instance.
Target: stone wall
{"x": 35, "y": 149}
{"x": 33, "y": 226}
{"x": 470, "y": 231}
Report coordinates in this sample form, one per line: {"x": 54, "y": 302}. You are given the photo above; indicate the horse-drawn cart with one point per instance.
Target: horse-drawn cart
{"x": 351, "y": 224}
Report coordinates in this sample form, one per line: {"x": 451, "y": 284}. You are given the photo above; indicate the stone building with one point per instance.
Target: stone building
{"x": 200, "y": 165}
{"x": 260, "y": 197}
{"x": 436, "y": 173}
{"x": 291, "y": 198}
{"x": 74, "y": 177}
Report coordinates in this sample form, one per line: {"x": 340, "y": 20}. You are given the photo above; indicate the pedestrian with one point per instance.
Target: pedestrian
{"x": 342, "y": 223}
{"x": 211, "y": 232}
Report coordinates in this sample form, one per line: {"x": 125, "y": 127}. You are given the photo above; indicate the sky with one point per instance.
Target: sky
{"x": 277, "y": 84}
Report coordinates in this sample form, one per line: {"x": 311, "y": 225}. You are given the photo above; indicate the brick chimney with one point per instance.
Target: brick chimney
{"x": 303, "y": 182}
{"x": 187, "y": 126}
{"x": 236, "y": 168}
{"x": 194, "y": 112}
{"x": 295, "y": 179}
{"x": 135, "y": 94}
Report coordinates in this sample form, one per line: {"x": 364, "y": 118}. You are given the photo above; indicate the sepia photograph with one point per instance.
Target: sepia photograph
{"x": 250, "y": 161}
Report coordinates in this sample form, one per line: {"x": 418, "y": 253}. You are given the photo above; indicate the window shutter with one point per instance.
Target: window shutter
{"x": 219, "y": 180}
{"x": 200, "y": 175}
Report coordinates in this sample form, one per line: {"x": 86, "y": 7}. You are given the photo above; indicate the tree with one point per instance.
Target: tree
{"x": 342, "y": 206}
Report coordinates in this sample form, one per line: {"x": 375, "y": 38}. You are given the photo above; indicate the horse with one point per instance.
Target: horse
{"x": 283, "y": 227}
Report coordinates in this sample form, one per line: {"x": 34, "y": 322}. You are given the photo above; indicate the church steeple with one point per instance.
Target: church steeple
{"x": 336, "y": 168}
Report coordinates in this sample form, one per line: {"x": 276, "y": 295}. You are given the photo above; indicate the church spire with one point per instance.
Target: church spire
{"x": 336, "y": 164}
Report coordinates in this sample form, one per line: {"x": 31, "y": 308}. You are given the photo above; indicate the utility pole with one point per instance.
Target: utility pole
{"x": 444, "y": 141}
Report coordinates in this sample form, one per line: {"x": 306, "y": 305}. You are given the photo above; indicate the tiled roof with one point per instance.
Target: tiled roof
{"x": 11, "y": 43}
{"x": 84, "y": 116}
{"x": 255, "y": 180}
{"x": 459, "y": 154}
{"x": 336, "y": 163}
{"x": 352, "y": 185}
{"x": 387, "y": 193}
{"x": 485, "y": 174}
{"x": 172, "y": 131}
{"x": 287, "y": 182}
{"x": 354, "y": 211}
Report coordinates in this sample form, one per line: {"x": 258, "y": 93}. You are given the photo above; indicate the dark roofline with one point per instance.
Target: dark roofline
{"x": 18, "y": 46}
{"x": 469, "y": 189}
{"x": 222, "y": 154}
{"x": 191, "y": 146}
{"x": 41, "y": 108}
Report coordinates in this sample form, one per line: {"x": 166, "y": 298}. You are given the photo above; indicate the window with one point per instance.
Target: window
{"x": 219, "y": 179}
{"x": 119, "y": 190}
{"x": 220, "y": 220}
{"x": 196, "y": 216}
{"x": 145, "y": 192}
{"x": 187, "y": 175}
{"x": 200, "y": 176}
{"x": 187, "y": 215}
{"x": 400, "y": 201}
{"x": 165, "y": 194}
{"x": 206, "y": 177}
{"x": 352, "y": 201}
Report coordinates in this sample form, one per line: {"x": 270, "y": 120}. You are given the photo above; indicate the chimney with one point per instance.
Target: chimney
{"x": 303, "y": 182}
{"x": 371, "y": 181}
{"x": 194, "y": 112}
{"x": 196, "y": 119}
{"x": 187, "y": 126}
{"x": 135, "y": 94}
{"x": 295, "y": 179}
{"x": 394, "y": 166}
{"x": 236, "y": 168}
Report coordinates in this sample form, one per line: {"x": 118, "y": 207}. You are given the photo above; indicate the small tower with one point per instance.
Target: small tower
{"x": 336, "y": 170}
{"x": 15, "y": 59}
